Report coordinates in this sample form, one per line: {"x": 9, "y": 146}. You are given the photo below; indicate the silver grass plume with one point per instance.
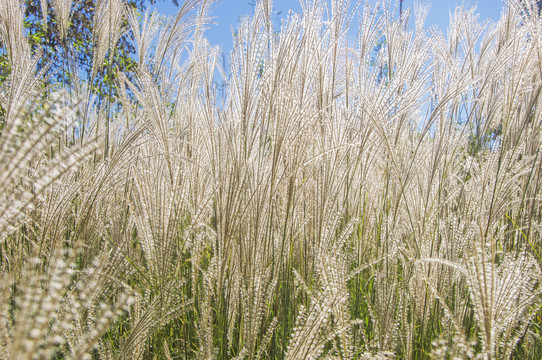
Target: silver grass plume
{"x": 326, "y": 318}
{"x": 145, "y": 32}
{"x": 63, "y": 11}
{"x": 12, "y": 31}
{"x": 23, "y": 80}
{"x": 25, "y": 171}
{"x": 49, "y": 308}
{"x": 504, "y": 294}
{"x": 44, "y": 9}
{"x": 107, "y": 27}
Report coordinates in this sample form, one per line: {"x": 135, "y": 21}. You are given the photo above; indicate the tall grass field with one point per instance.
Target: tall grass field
{"x": 345, "y": 184}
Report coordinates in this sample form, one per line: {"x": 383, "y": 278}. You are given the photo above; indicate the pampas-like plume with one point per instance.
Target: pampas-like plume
{"x": 504, "y": 296}
{"x": 46, "y": 309}
{"x": 12, "y": 30}
{"x": 44, "y": 12}
{"x": 28, "y": 168}
{"x": 63, "y": 11}
{"x": 107, "y": 27}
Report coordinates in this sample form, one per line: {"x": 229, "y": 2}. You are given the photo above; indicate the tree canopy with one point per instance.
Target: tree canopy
{"x": 68, "y": 41}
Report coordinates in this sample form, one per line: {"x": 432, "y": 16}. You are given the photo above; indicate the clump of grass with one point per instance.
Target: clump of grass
{"x": 353, "y": 192}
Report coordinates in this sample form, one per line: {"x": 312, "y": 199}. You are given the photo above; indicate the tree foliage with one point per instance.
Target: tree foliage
{"x": 72, "y": 56}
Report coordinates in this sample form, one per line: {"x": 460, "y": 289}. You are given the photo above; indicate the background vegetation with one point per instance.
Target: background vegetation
{"x": 365, "y": 193}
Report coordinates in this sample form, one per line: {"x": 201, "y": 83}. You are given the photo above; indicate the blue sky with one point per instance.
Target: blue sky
{"x": 227, "y": 13}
